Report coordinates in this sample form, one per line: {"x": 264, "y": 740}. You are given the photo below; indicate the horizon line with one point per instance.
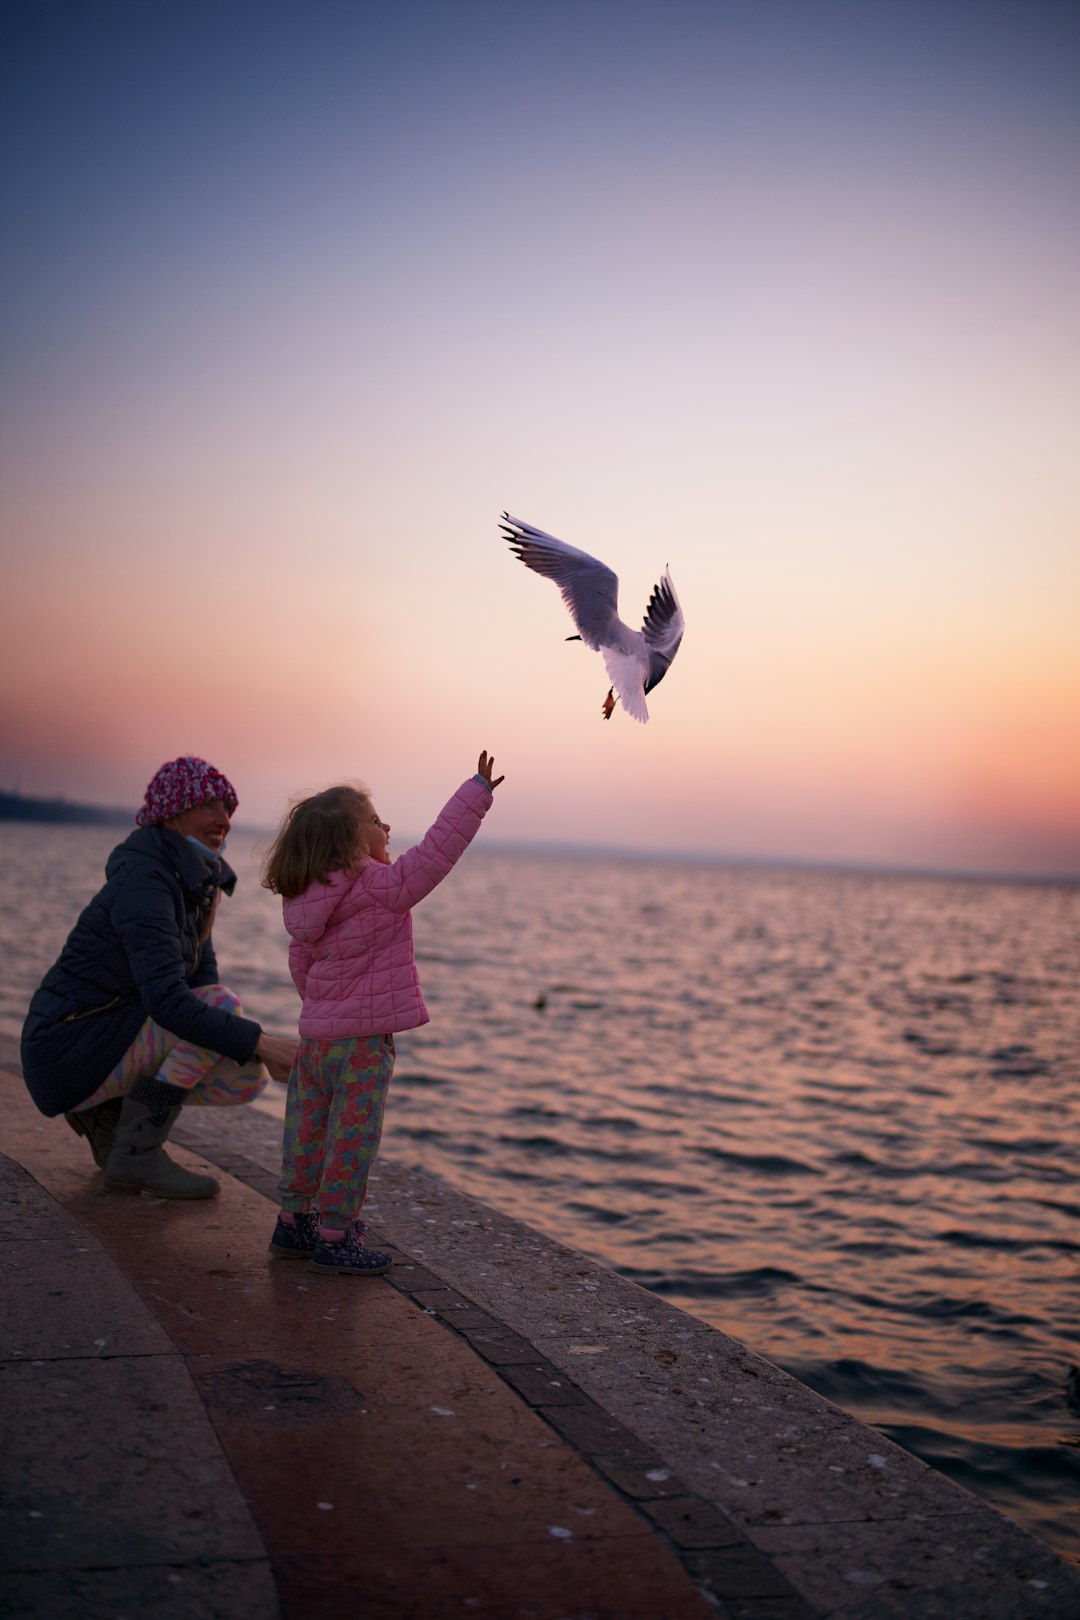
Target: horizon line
{"x": 115, "y": 815}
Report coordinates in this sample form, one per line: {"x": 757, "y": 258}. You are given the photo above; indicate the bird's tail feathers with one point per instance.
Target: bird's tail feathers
{"x": 624, "y": 673}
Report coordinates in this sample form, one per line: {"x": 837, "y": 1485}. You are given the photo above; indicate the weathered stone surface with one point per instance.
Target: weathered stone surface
{"x": 113, "y": 1462}
{"x": 953, "y": 1568}
{"x": 215, "y": 1591}
{"x": 27, "y": 1211}
{"x": 530, "y": 1579}
{"x": 65, "y": 1298}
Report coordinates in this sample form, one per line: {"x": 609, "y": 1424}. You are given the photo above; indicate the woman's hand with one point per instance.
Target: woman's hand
{"x": 277, "y": 1052}
{"x": 485, "y": 768}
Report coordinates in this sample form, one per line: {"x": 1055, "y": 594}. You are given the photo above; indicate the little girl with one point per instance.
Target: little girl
{"x": 347, "y": 911}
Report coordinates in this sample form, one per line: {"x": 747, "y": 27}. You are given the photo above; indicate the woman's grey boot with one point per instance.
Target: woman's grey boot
{"x": 138, "y": 1162}
{"x": 98, "y": 1125}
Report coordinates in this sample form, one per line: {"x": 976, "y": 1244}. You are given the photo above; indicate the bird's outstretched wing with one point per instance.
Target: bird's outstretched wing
{"x": 663, "y": 629}
{"x": 589, "y": 588}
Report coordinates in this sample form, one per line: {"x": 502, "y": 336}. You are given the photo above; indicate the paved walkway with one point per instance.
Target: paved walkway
{"x": 192, "y": 1429}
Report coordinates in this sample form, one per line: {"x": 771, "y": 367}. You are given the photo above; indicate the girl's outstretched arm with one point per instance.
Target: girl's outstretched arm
{"x": 415, "y": 873}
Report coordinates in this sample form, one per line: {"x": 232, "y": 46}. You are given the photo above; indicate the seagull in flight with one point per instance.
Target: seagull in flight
{"x": 636, "y": 660}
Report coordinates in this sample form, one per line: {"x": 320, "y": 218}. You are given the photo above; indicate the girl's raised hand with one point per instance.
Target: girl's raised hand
{"x": 485, "y": 768}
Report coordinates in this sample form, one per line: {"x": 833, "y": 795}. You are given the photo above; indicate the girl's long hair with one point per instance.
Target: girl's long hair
{"x": 319, "y": 835}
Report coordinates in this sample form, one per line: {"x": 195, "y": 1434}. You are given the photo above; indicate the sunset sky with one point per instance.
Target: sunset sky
{"x": 298, "y": 296}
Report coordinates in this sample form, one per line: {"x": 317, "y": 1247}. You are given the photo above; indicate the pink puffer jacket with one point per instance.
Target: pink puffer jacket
{"x": 351, "y": 953}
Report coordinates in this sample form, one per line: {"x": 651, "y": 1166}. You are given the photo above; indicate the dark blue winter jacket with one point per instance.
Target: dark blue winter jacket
{"x": 133, "y": 954}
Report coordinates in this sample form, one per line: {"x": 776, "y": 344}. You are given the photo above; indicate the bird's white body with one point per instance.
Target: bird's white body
{"x": 635, "y": 660}
{"x": 626, "y": 659}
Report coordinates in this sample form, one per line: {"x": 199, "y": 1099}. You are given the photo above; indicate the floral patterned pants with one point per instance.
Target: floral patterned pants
{"x": 333, "y": 1122}
{"x": 206, "y": 1076}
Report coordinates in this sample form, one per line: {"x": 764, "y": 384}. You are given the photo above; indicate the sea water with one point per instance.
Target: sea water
{"x": 835, "y": 1114}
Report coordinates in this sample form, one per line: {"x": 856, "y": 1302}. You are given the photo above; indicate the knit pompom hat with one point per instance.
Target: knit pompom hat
{"x": 179, "y": 785}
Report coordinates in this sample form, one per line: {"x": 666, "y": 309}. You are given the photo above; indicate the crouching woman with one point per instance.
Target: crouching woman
{"x": 131, "y": 1021}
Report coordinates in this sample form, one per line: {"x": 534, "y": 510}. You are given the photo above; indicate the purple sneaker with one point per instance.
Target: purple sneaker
{"x": 349, "y": 1256}
{"x": 296, "y": 1242}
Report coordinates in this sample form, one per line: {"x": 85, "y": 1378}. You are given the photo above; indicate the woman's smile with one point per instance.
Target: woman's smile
{"x": 209, "y": 823}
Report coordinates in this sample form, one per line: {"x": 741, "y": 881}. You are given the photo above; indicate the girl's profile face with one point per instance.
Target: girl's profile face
{"x": 373, "y": 835}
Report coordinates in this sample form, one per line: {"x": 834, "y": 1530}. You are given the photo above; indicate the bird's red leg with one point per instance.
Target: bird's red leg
{"x": 609, "y": 703}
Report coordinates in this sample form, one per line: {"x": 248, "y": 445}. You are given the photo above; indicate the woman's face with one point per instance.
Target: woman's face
{"x": 209, "y": 823}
